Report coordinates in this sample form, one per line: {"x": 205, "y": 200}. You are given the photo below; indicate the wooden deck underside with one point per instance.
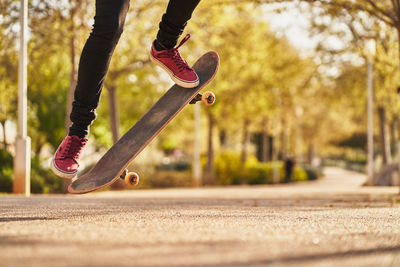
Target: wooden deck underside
{"x": 115, "y": 160}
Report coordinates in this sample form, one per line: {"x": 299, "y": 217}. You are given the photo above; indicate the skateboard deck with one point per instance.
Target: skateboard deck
{"x": 114, "y": 162}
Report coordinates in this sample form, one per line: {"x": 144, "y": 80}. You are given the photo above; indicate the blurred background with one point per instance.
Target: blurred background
{"x": 292, "y": 91}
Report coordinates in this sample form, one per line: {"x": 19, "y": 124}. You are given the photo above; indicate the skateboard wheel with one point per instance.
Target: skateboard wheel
{"x": 123, "y": 174}
{"x": 132, "y": 178}
{"x": 208, "y": 98}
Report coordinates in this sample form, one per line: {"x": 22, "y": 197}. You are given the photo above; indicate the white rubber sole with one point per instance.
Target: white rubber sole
{"x": 61, "y": 173}
{"x": 176, "y": 80}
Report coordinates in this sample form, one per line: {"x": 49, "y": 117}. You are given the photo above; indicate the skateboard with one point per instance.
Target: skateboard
{"x": 113, "y": 165}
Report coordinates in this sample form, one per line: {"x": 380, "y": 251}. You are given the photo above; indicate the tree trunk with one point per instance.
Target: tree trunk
{"x": 284, "y": 140}
{"x": 299, "y": 141}
{"x": 243, "y": 156}
{"x": 265, "y": 141}
{"x": 3, "y": 125}
{"x": 114, "y": 125}
{"x": 222, "y": 138}
{"x": 393, "y": 141}
{"x": 385, "y": 147}
{"x": 311, "y": 153}
{"x": 210, "y": 170}
{"x": 398, "y": 134}
{"x": 275, "y": 153}
{"x": 397, "y": 12}
{"x": 398, "y": 34}
{"x": 113, "y": 111}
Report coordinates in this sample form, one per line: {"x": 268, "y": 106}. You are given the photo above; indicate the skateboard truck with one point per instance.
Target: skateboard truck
{"x": 130, "y": 178}
{"x": 208, "y": 98}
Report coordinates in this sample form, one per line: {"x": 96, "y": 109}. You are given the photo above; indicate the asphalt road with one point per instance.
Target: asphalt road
{"x": 331, "y": 222}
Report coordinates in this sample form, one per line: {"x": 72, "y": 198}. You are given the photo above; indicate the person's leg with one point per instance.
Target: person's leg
{"x": 174, "y": 21}
{"x": 93, "y": 67}
{"x": 94, "y": 62}
{"x": 163, "y": 51}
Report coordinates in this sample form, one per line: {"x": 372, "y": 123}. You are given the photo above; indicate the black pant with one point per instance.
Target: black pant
{"x": 97, "y": 52}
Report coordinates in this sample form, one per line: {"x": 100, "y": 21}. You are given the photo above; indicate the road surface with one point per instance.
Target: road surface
{"x": 331, "y": 222}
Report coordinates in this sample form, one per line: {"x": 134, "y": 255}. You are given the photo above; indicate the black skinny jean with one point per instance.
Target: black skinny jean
{"x": 97, "y": 52}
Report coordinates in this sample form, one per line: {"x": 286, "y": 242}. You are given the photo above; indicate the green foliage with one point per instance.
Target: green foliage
{"x": 47, "y": 95}
{"x": 262, "y": 77}
{"x": 230, "y": 171}
{"x": 8, "y": 61}
{"x": 6, "y": 171}
{"x": 6, "y": 158}
{"x": 256, "y": 172}
{"x": 228, "y": 168}
{"x": 6, "y": 180}
{"x": 168, "y": 144}
{"x": 176, "y": 166}
{"x": 43, "y": 181}
{"x": 299, "y": 175}
{"x": 355, "y": 141}
{"x": 164, "y": 178}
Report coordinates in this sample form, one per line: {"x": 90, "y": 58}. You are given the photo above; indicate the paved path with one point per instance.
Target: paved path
{"x": 330, "y": 222}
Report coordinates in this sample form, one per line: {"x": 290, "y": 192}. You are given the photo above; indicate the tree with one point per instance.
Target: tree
{"x": 258, "y": 68}
{"x": 8, "y": 63}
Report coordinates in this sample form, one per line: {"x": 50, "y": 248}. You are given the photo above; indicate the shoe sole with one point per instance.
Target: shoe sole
{"x": 60, "y": 173}
{"x": 177, "y": 80}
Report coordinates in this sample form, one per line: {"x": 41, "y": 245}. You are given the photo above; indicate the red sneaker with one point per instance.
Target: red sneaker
{"x": 65, "y": 162}
{"x": 171, "y": 61}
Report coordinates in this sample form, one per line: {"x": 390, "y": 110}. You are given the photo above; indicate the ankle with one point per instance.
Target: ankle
{"x": 81, "y": 133}
{"x": 158, "y": 46}
{"x": 164, "y": 45}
